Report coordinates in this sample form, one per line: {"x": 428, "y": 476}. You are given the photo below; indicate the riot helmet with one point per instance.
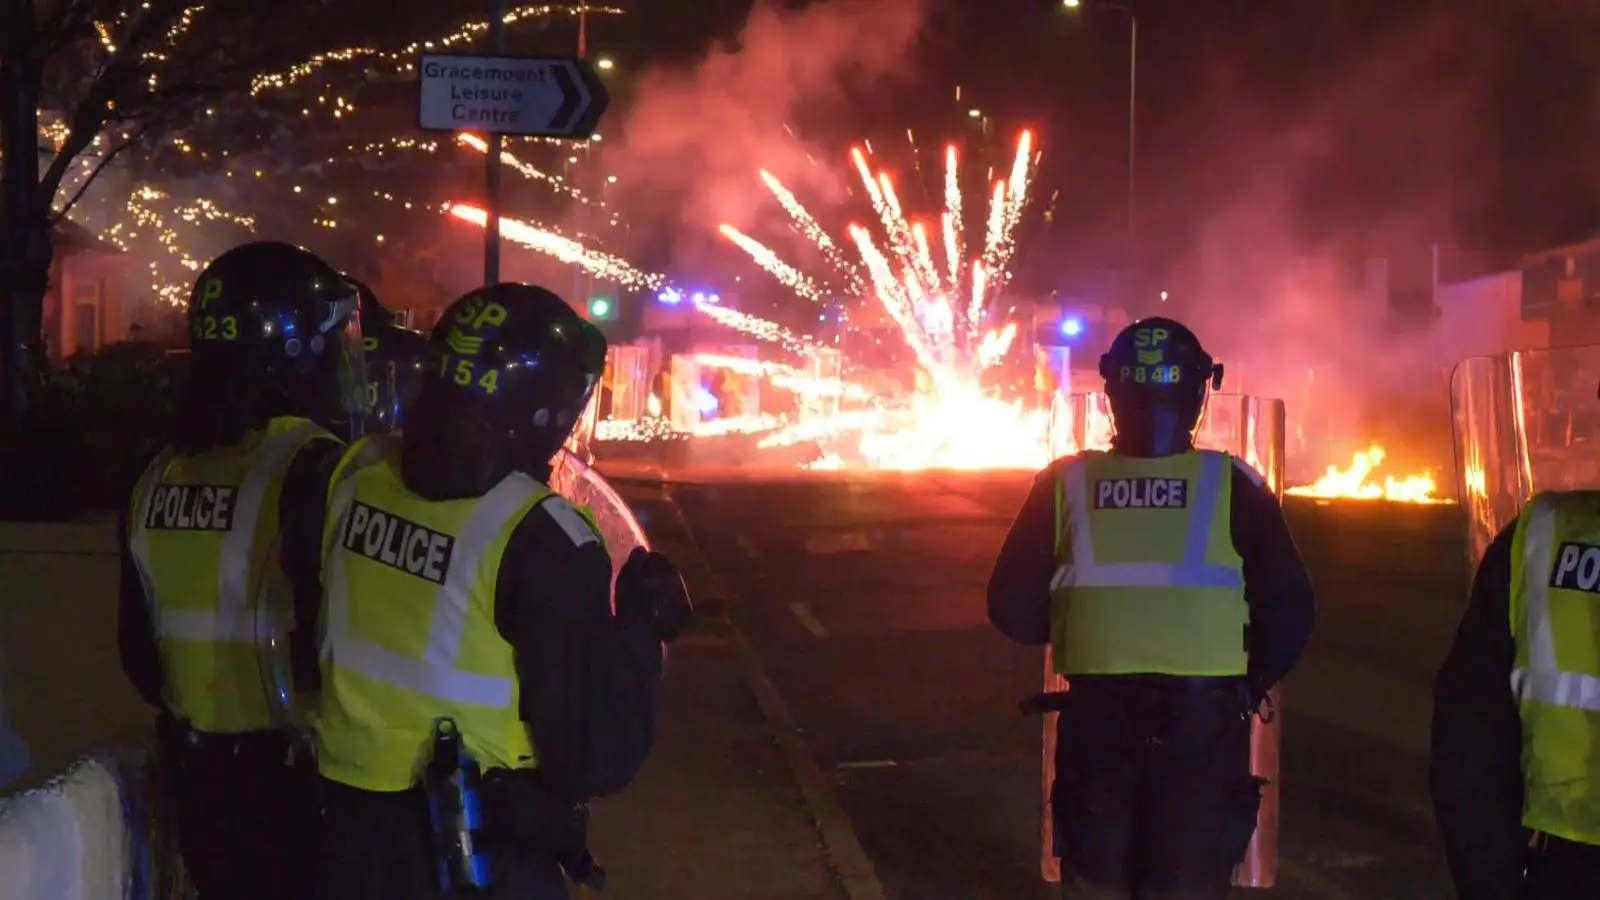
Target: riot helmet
{"x": 511, "y": 369}
{"x": 273, "y": 331}
{"x": 395, "y": 361}
{"x": 1158, "y": 378}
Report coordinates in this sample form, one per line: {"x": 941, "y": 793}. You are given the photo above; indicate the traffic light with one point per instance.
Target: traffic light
{"x": 602, "y": 308}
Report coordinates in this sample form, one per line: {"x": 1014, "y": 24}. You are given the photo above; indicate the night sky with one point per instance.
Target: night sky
{"x": 1379, "y": 127}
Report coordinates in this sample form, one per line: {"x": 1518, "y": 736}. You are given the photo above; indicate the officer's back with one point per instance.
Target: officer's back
{"x": 1165, "y": 582}
{"x": 469, "y": 635}
{"x": 219, "y": 585}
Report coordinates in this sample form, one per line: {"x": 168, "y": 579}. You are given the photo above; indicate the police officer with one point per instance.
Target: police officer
{"x": 1166, "y": 584}
{"x": 394, "y": 362}
{"x": 220, "y": 554}
{"x": 1516, "y": 718}
{"x": 464, "y": 598}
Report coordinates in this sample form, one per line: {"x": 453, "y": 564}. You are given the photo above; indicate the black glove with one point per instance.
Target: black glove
{"x": 650, "y": 592}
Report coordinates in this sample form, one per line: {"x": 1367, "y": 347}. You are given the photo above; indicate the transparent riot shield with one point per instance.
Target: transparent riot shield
{"x": 1525, "y": 422}
{"x": 1252, "y": 429}
{"x": 586, "y": 489}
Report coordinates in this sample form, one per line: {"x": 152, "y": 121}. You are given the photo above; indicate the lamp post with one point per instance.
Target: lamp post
{"x": 1133, "y": 93}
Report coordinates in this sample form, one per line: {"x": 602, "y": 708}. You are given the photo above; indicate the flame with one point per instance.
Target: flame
{"x": 1354, "y": 483}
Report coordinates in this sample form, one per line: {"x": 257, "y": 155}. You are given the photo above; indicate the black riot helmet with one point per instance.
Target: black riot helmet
{"x": 511, "y": 368}
{"x": 395, "y": 361}
{"x": 273, "y": 331}
{"x": 1157, "y": 379}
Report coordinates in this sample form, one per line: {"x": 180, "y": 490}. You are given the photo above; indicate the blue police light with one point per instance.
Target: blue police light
{"x": 714, "y": 298}
{"x": 670, "y": 297}
{"x": 704, "y": 401}
{"x": 698, "y": 298}
{"x": 1071, "y": 327}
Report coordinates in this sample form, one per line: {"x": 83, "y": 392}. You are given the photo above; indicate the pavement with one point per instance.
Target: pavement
{"x": 717, "y": 813}
{"x": 840, "y": 722}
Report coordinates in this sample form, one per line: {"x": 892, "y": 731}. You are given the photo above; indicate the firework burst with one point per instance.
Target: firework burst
{"x": 902, "y": 273}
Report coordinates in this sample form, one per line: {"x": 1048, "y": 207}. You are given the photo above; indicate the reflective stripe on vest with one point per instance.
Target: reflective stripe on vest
{"x": 1082, "y": 570}
{"x": 1542, "y": 678}
{"x": 434, "y": 674}
{"x": 235, "y": 617}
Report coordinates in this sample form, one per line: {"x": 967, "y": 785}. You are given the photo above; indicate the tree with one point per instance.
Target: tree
{"x": 115, "y": 73}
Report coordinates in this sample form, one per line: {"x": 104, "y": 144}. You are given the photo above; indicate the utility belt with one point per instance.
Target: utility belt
{"x": 481, "y": 818}
{"x": 180, "y": 742}
{"x": 1159, "y": 689}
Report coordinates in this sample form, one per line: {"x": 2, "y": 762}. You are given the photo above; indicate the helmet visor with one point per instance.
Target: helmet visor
{"x": 342, "y": 329}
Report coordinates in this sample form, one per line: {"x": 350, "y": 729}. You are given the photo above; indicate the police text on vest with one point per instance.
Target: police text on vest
{"x": 191, "y": 507}
{"x": 1577, "y": 568}
{"x": 1141, "y": 493}
{"x": 393, "y": 541}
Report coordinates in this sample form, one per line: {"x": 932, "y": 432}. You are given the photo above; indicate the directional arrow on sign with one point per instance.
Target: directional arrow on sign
{"x": 536, "y": 96}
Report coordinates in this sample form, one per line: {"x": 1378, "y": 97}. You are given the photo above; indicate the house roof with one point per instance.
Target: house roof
{"x": 70, "y": 238}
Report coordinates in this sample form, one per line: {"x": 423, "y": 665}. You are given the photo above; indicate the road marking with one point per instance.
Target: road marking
{"x": 867, "y": 764}
{"x": 809, "y": 620}
{"x": 850, "y": 862}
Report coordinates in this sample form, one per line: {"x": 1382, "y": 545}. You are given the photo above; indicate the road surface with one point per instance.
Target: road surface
{"x": 863, "y": 599}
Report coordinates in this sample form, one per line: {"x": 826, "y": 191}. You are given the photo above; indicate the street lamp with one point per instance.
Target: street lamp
{"x": 1133, "y": 84}
{"x": 605, "y": 64}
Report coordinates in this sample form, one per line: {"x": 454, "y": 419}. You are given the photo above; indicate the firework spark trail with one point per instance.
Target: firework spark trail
{"x": 980, "y": 288}
{"x": 468, "y": 33}
{"x": 952, "y": 216}
{"x": 814, "y": 429}
{"x": 893, "y": 298}
{"x": 925, "y": 255}
{"x": 986, "y": 267}
{"x": 894, "y": 222}
{"x": 811, "y": 386}
{"x": 880, "y": 203}
{"x": 745, "y": 366}
{"x": 995, "y": 233}
{"x": 473, "y": 142}
{"x": 814, "y": 232}
{"x": 1016, "y": 199}
{"x": 787, "y": 275}
{"x": 784, "y": 376}
{"x": 757, "y": 327}
{"x": 565, "y": 249}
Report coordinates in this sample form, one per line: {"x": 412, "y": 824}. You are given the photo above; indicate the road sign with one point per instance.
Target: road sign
{"x": 539, "y": 96}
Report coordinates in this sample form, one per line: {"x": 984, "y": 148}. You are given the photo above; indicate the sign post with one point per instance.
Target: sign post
{"x": 499, "y": 95}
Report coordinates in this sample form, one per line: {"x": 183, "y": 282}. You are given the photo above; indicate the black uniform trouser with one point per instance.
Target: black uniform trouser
{"x": 379, "y": 846}
{"x": 1153, "y": 795}
{"x": 247, "y": 819}
{"x": 1562, "y": 870}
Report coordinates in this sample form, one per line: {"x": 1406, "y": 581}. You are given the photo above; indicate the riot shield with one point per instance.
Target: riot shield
{"x": 1252, "y": 429}
{"x": 572, "y": 478}
{"x": 1525, "y": 422}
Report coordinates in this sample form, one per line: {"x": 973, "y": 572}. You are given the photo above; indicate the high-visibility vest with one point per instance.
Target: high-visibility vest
{"x": 1148, "y": 581}
{"x": 408, "y": 631}
{"x": 203, "y": 531}
{"x": 1555, "y": 621}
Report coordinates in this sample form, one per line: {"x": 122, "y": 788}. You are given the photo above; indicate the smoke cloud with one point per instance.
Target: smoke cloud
{"x": 1372, "y": 160}
{"x": 694, "y": 139}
